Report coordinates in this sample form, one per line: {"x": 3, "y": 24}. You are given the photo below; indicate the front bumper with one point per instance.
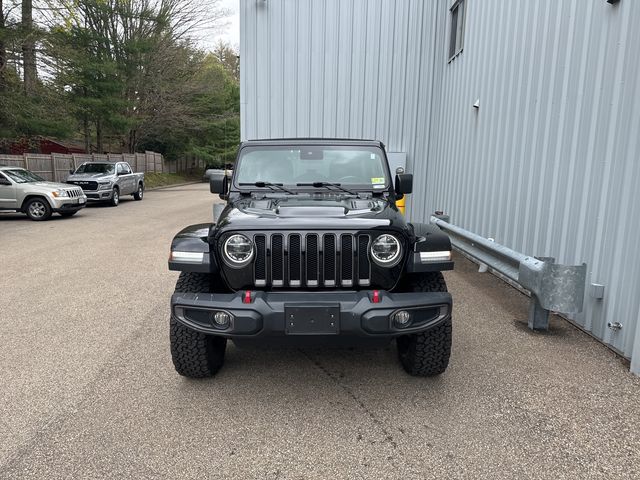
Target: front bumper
{"x": 65, "y": 204}
{"x": 356, "y": 313}
{"x": 99, "y": 195}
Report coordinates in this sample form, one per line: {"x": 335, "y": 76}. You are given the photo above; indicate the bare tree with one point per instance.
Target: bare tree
{"x": 3, "y": 50}
{"x": 120, "y": 67}
{"x": 228, "y": 57}
{"x": 29, "y": 68}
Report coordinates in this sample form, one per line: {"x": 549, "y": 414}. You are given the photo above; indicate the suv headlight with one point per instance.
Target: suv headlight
{"x": 237, "y": 250}
{"x": 104, "y": 186}
{"x": 386, "y": 250}
{"x": 60, "y": 193}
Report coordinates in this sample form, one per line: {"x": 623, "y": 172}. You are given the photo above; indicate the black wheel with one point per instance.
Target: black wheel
{"x": 426, "y": 354}
{"x": 194, "y": 354}
{"x": 38, "y": 209}
{"x": 139, "y": 193}
{"x": 115, "y": 197}
{"x": 68, "y": 214}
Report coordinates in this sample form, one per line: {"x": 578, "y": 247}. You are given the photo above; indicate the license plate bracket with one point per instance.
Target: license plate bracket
{"x": 318, "y": 319}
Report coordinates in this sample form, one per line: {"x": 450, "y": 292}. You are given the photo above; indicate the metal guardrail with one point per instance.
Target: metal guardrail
{"x": 553, "y": 287}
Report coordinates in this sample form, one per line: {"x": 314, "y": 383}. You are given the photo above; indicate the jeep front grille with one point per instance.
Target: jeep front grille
{"x": 312, "y": 260}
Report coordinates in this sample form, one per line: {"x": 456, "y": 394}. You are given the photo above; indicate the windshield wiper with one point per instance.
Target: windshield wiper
{"x": 272, "y": 186}
{"x": 326, "y": 185}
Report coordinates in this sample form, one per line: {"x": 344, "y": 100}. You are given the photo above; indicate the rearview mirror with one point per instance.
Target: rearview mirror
{"x": 311, "y": 153}
{"x": 219, "y": 184}
{"x": 404, "y": 183}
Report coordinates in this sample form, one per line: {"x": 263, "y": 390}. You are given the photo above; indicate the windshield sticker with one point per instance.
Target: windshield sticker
{"x": 377, "y": 180}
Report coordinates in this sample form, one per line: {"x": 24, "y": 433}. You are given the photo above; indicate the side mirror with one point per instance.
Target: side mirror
{"x": 4, "y": 181}
{"x": 219, "y": 184}
{"x": 71, "y": 171}
{"x": 404, "y": 183}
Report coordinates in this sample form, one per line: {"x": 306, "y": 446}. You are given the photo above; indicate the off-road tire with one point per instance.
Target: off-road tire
{"x": 426, "y": 354}
{"x": 139, "y": 192}
{"x": 38, "y": 209}
{"x": 115, "y": 197}
{"x": 424, "y": 282}
{"x": 194, "y": 354}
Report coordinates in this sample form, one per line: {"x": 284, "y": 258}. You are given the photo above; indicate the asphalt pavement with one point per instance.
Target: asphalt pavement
{"x": 88, "y": 390}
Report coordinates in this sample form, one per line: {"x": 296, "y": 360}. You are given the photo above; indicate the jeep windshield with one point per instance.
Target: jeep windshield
{"x": 96, "y": 168}
{"x": 314, "y": 166}
{"x": 19, "y": 175}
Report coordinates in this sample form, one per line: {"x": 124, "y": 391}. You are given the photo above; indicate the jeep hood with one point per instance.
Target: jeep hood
{"x": 310, "y": 213}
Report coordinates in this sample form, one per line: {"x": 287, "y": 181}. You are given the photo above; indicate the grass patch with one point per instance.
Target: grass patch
{"x": 156, "y": 179}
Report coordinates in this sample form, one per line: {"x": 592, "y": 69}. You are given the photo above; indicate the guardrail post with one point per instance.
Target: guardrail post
{"x": 538, "y": 315}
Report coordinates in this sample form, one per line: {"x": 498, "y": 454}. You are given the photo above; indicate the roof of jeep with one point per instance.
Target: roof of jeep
{"x": 313, "y": 141}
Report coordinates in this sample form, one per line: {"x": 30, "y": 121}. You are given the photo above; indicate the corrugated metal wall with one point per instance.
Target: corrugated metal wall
{"x": 335, "y": 68}
{"x": 549, "y": 163}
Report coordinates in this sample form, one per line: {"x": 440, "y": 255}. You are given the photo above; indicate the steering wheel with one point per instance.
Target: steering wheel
{"x": 349, "y": 178}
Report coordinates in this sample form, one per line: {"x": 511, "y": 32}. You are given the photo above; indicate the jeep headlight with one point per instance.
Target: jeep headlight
{"x": 60, "y": 193}
{"x": 104, "y": 186}
{"x": 386, "y": 250}
{"x": 237, "y": 250}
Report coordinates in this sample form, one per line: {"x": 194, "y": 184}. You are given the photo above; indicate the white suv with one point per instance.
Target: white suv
{"x": 24, "y": 191}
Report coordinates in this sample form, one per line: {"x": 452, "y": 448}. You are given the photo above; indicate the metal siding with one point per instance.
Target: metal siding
{"x": 334, "y": 68}
{"x": 547, "y": 165}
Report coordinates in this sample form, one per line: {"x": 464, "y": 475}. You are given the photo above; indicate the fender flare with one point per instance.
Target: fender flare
{"x": 190, "y": 250}
{"x": 429, "y": 238}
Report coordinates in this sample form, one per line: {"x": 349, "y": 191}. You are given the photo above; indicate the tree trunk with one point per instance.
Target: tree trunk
{"x": 99, "y": 147}
{"x": 132, "y": 141}
{"x": 3, "y": 52}
{"x": 85, "y": 126}
{"x": 28, "y": 48}
{"x": 87, "y": 135}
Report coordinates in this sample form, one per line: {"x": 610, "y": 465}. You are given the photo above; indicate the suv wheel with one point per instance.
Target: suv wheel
{"x": 195, "y": 354}
{"x": 426, "y": 354}
{"x": 115, "y": 197}
{"x": 38, "y": 209}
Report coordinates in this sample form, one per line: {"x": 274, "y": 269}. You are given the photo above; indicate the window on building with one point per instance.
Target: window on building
{"x": 456, "y": 34}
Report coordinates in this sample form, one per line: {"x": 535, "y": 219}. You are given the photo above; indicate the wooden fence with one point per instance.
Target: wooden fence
{"x": 55, "y": 167}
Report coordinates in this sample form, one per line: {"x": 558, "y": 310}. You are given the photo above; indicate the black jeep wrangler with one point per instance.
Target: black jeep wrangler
{"x": 310, "y": 247}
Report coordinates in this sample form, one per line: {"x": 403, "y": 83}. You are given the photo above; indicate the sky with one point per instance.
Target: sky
{"x": 231, "y": 33}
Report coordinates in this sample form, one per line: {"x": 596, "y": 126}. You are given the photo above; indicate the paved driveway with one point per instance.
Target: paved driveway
{"x": 88, "y": 389}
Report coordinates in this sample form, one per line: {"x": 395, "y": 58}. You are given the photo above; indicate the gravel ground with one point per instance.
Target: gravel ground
{"x": 88, "y": 389}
